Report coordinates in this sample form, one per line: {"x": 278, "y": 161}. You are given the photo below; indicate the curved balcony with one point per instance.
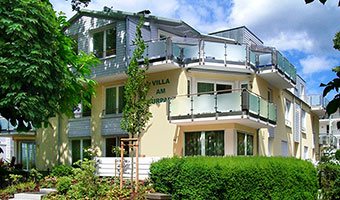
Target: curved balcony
{"x": 228, "y": 106}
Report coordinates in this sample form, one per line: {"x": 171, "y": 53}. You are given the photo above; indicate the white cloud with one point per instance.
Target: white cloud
{"x": 314, "y": 64}
{"x": 286, "y": 41}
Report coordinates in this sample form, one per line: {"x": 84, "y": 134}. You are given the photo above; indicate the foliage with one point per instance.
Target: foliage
{"x": 334, "y": 104}
{"x": 322, "y": 1}
{"x": 136, "y": 110}
{"x": 329, "y": 176}
{"x": 86, "y": 185}
{"x": 63, "y": 184}
{"x": 86, "y": 181}
{"x": 62, "y": 170}
{"x": 48, "y": 182}
{"x": 41, "y": 74}
{"x": 337, "y": 155}
{"x": 235, "y": 178}
{"x": 35, "y": 176}
{"x": 21, "y": 187}
{"x": 77, "y": 4}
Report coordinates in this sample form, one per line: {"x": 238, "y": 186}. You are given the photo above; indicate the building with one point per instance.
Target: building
{"x": 20, "y": 145}
{"x": 217, "y": 94}
{"x": 330, "y": 131}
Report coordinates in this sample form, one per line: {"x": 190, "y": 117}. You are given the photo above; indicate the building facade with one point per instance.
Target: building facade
{"x": 217, "y": 94}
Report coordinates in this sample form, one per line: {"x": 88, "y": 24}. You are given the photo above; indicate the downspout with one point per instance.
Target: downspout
{"x": 59, "y": 139}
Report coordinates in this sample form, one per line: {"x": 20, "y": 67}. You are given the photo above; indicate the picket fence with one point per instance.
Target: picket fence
{"x": 110, "y": 166}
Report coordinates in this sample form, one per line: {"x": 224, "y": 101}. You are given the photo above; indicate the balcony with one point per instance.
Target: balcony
{"x": 111, "y": 125}
{"x": 79, "y": 127}
{"x": 229, "y": 106}
{"x": 197, "y": 53}
{"x": 8, "y": 130}
{"x": 274, "y": 67}
{"x": 317, "y": 103}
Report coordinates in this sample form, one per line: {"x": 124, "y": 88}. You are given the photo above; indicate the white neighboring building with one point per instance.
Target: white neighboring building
{"x": 330, "y": 130}
{"x": 7, "y": 145}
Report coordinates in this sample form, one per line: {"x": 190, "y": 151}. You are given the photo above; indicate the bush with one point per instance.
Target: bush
{"x": 63, "y": 184}
{"x": 329, "y": 176}
{"x": 9, "y": 191}
{"x": 235, "y": 178}
{"x": 62, "y": 170}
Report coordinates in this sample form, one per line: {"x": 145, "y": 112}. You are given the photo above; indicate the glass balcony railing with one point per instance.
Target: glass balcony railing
{"x": 193, "y": 50}
{"x": 6, "y": 127}
{"x": 316, "y": 100}
{"x": 221, "y": 103}
{"x": 276, "y": 59}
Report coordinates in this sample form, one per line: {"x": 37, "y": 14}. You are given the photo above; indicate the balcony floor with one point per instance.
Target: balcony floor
{"x": 237, "y": 118}
{"x": 276, "y": 78}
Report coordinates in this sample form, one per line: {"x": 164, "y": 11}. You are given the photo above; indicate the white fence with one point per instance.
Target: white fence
{"x": 110, "y": 166}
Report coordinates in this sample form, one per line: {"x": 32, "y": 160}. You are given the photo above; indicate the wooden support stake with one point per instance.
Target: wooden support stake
{"x": 121, "y": 163}
{"x": 137, "y": 163}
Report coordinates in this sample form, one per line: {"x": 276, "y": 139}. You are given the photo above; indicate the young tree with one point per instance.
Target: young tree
{"x": 136, "y": 110}
{"x": 41, "y": 74}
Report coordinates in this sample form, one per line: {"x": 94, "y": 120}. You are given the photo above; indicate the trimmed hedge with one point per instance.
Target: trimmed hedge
{"x": 235, "y": 178}
{"x": 329, "y": 177}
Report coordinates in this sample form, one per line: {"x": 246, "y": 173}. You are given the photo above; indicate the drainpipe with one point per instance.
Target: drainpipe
{"x": 58, "y": 139}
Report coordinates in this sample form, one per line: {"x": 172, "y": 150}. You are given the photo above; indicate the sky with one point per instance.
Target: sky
{"x": 303, "y": 33}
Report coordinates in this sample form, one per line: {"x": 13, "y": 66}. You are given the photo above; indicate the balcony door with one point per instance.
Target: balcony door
{"x": 27, "y": 150}
{"x": 206, "y": 87}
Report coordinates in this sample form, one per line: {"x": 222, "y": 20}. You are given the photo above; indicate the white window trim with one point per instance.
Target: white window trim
{"x": 102, "y": 29}
{"x": 117, "y": 99}
{"x": 303, "y": 120}
{"x": 196, "y": 81}
{"x": 202, "y": 141}
{"x": 245, "y": 142}
{"x": 81, "y": 147}
{"x": 288, "y": 120}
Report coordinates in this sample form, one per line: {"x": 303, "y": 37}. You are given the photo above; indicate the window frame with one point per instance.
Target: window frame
{"x": 203, "y": 142}
{"x": 104, "y": 30}
{"x": 245, "y": 141}
{"x": 81, "y": 148}
{"x": 195, "y": 88}
{"x": 117, "y": 100}
{"x": 288, "y": 112}
{"x": 303, "y": 120}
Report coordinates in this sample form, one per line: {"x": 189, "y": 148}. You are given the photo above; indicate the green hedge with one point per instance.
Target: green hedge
{"x": 329, "y": 177}
{"x": 235, "y": 178}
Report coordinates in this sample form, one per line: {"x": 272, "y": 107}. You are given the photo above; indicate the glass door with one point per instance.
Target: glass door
{"x": 28, "y": 150}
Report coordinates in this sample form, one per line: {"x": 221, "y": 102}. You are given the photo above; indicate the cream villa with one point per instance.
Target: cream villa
{"x": 217, "y": 94}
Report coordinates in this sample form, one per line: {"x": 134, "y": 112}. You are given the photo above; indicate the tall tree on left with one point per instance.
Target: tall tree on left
{"x": 41, "y": 75}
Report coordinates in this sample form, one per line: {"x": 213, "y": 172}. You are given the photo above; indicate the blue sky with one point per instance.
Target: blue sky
{"x": 304, "y": 33}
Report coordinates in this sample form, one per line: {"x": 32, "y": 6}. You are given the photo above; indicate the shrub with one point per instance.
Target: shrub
{"x": 235, "y": 178}
{"x": 63, "y": 184}
{"x": 9, "y": 191}
{"x": 329, "y": 176}
{"x": 62, "y": 170}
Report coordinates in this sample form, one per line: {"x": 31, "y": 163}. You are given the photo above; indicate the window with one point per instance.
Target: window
{"x": 27, "y": 151}
{"x": 104, "y": 43}
{"x": 208, "y": 143}
{"x": 114, "y": 100}
{"x": 284, "y": 148}
{"x": 270, "y": 146}
{"x": 305, "y": 153}
{"x": 83, "y": 110}
{"x": 244, "y": 86}
{"x": 203, "y": 87}
{"x": 245, "y": 144}
{"x": 303, "y": 120}
{"x": 270, "y": 95}
{"x": 288, "y": 106}
{"x": 110, "y": 143}
{"x": 78, "y": 149}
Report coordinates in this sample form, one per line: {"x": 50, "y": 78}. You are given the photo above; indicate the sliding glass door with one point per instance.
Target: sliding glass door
{"x": 27, "y": 151}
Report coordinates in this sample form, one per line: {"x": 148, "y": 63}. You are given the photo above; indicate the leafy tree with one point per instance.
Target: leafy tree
{"x": 77, "y": 4}
{"x": 136, "y": 110}
{"x": 334, "y": 104}
{"x": 322, "y": 1}
{"x": 41, "y": 74}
